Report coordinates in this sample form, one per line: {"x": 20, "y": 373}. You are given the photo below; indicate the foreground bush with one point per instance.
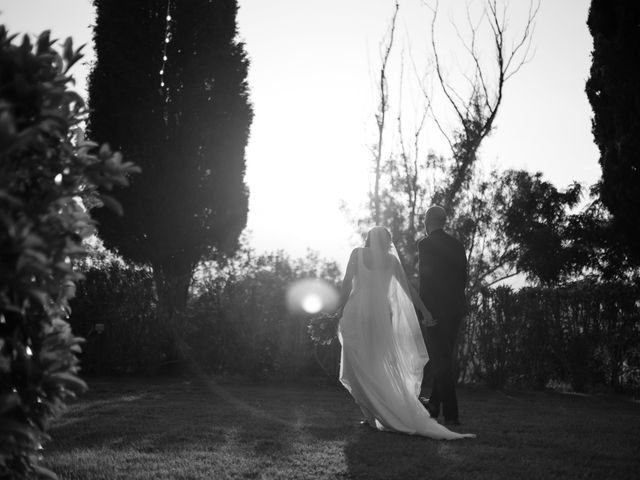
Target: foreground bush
{"x": 44, "y": 175}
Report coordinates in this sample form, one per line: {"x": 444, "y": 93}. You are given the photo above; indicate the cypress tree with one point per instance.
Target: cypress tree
{"x": 613, "y": 89}
{"x": 169, "y": 90}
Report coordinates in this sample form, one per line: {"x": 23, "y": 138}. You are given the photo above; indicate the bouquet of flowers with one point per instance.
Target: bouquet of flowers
{"x": 323, "y": 328}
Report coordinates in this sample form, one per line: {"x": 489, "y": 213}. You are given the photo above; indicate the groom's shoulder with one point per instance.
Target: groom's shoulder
{"x": 450, "y": 238}
{"x": 425, "y": 244}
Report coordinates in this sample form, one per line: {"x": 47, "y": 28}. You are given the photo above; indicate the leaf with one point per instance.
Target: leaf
{"x": 69, "y": 380}
{"x": 75, "y": 97}
{"x": 36, "y": 255}
{"x": 19, "y": 429}
{"x": 7, "y": 125}
{"x": 67, "y": 49}
{"x": 44, "y": 42}
{"x": 26, "y": 43}
{"x": 87, "y": 145}
{"x": 8, "y": 402}
{"x": 105, "y": 151}
{"x": 45, "y": 472}
{"x": 13, "y": 202}
{"x": 39, "y": 295}
{"x": 29, "y": 265}
{"x": 112, "y": 204}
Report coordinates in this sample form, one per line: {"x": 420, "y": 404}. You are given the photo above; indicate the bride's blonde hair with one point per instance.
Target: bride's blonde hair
{"x": 375, "y": 230}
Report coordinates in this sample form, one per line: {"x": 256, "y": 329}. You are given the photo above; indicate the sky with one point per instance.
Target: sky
{"x": 312, "y": 80}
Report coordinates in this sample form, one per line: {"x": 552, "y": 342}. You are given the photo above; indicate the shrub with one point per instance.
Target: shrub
{"x": 496, "y": 334}
{"x": 586, "y": 334}
{"x": 240, "y": 321}
{"x": 115, "y": 311}
{"x": 44, "y": 175}
{"x": 236, "y": 320}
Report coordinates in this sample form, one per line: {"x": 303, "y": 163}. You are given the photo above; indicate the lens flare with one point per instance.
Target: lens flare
{"x": 312, "y": 303}
{"x": 311, "y": 296}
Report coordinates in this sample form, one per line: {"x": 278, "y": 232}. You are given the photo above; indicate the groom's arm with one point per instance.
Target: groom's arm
{"x": 424, "y": 262}
{"x": 425, "y": 271}
{"x": 410, "y": 291}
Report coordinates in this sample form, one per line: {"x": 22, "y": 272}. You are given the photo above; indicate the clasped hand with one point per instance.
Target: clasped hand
{"x": 425, "y": 317}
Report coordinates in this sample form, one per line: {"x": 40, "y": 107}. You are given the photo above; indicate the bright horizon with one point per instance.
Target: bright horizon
{"x": 311, "y": 80}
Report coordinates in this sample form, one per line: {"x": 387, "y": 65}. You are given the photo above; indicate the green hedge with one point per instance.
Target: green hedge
{"x": 115, "y": 311}
{"x": 236, "y": 321}
{"x": 586, "y": 334}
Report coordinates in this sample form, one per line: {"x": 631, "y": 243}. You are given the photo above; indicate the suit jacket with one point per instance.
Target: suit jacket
{"x": 443, "y": 275}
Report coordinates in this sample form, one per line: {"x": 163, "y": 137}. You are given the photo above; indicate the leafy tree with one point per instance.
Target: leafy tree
{"x": 536, "y": 219}
{"x": 188, "y": 133}
{"x": 598, "y": 248}
{"x": 549, "y": 240}
{"x": 44, "y": 169}
{"x": 614, "y": 94}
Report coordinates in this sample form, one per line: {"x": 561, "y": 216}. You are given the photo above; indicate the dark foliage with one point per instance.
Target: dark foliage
{"x": 586, "y": 334}
{"x": 115, "y": 311}
{"x": 535, "y": 217}
{"x": 236, "y": 323}
{"x": 614, "y": 95}
{"x": 246, "y": 326}
{"x": 549, "y": 241}
{"x": 189, "y": 136}
{"x": 44, "y": 169}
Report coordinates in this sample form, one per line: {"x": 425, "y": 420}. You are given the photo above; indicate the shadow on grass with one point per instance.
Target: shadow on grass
{"x": 380, "y": 455}
{"x": 523, "y": 435}
{"x": 172, "y": 429}
{"x": 173, "y": 418}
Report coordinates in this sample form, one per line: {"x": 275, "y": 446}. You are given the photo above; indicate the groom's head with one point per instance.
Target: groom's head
{"x": 434, "y": 219}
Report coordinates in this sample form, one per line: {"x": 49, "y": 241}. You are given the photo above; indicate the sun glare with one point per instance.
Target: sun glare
{"x": 312, "y": 303}
{"x": 311, "y": 296}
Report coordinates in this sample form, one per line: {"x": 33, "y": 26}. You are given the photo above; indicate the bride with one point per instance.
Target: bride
{"x": 383, "y": 351}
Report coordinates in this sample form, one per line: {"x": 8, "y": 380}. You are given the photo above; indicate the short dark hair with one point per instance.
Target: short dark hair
{"x": 435, "y": 216}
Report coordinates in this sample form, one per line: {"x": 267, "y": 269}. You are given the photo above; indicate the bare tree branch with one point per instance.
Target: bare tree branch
{"x": 381, "y": 114}
{"x": 504, "y": 277}
{"x": 445, "y": 86}
{"x": 477, "y": 112}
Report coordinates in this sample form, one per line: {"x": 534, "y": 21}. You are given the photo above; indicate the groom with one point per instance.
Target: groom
{"x": 443, "y": 277}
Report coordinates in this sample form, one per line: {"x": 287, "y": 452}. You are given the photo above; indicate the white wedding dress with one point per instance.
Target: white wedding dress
{"x": 383, "y": 351}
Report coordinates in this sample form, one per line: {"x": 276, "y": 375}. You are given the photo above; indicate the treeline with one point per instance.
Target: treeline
{"x": 584, "y": 335}
{"x": 236, "y": 321}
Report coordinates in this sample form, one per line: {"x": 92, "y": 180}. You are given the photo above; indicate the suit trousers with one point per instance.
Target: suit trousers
{"x": 440, "y": 342}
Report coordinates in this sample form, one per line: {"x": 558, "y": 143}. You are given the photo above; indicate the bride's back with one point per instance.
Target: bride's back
{"x": 381, "y": 263}
{"x": 373, "y": 270}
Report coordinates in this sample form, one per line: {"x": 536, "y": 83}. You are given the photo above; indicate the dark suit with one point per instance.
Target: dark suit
{"x": 443, "y": 278}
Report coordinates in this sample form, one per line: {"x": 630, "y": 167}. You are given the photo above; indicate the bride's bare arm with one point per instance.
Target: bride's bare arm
{"x": 347, "y": 281}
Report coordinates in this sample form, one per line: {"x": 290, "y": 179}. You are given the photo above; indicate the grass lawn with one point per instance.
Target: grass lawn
{"x": 176, "y": 429}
